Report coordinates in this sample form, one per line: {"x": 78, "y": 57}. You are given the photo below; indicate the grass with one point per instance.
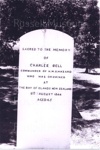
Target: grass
{"x": 8, "y": 106}
{"x": 85, "y": 131}
{"x": 88, "y": 135}
{"x": 86, "y": 95}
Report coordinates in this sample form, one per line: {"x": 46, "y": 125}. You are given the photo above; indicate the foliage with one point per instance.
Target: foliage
{"x": 87, "y": 44}
{"x": 19, "y": 17}
{"x": 14, "y": 18}
{"x": 78, "y": 18}
{"x": 7, "y": 55}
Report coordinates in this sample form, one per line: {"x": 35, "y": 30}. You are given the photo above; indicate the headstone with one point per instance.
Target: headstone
{"x": 45, "y": 90}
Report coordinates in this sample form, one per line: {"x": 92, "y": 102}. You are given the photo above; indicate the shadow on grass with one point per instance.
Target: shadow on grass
{"x": 8, "y": 106}
{"x": 94, "y": 73}
{"x": 85, "y": 83}
{"x": 79, "y": 124}
{"x": 8, "y": 119}
{"x": 87, "y": 97}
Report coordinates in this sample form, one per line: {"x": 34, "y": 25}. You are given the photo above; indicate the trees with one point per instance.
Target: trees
{"x": 21, "y": 16}
{"x": 17, "y": 17}
{"x": 88, "y": 38}
{"x": 78, "y": 18}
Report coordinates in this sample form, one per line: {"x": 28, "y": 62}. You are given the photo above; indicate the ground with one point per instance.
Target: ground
{"x": 86, "y": 88}
{"x": 86, "y": 132}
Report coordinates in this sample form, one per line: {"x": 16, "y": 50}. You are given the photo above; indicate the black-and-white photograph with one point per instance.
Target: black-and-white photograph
{"x": 49, "y": 74}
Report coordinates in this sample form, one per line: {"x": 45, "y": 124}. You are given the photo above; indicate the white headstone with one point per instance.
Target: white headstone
{"x": 45, "y": 90}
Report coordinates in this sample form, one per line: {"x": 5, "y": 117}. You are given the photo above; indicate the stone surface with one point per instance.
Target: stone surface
{"x": 45, "y": 90}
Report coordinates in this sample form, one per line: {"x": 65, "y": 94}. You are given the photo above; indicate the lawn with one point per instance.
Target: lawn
{"x": 86, "y": 88}
{"x": 86, "y": 95}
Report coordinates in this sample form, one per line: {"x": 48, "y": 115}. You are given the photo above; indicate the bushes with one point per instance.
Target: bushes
{"x": 8, "y": 57}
